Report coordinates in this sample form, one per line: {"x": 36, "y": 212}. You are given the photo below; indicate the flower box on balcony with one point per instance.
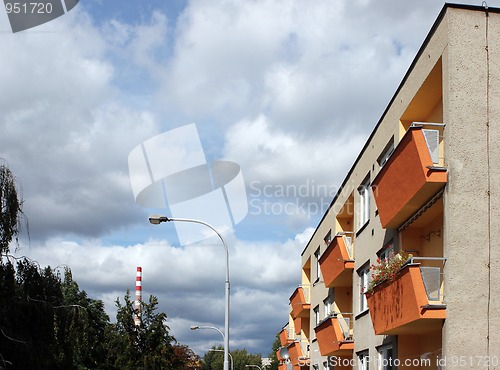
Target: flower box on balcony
{"x": 402, "y": 306}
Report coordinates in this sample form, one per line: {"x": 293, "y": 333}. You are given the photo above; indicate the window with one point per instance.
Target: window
{"x": 385, "y": 358}
{"x": 364, "y": 203}
{"x": 387, "y": 252}
{"x": 316, "y": 316}
{"x": 363, "y": 361}
{"x": 364, "y": 276}
{"x": 386, "y": 153}
{"x": 318, "y": 270}
{"x": 327, "y": 302}
{"x": 326, "y": 364}
{"x": 328, "y": 238}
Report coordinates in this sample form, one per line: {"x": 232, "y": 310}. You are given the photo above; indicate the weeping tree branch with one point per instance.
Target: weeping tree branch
{"x": 10, "y": 208}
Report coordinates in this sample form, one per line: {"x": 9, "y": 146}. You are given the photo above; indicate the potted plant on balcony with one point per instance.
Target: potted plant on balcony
{"x": 387, "y": 269}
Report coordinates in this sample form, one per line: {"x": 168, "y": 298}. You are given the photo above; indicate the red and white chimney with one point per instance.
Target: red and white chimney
{"x": 138, "y": 296}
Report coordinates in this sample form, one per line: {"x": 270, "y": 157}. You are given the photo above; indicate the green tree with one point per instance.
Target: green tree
{"x": 48, "y": 323}
{"x": 272, "y": 355}
{"x": 10, "y": 208}
{"x": 82, "y": 323}
{"x": 241, "y": 358}
{"x": 146, "y": 346}
{"x": 27, "y": 324}
{"x": 214, "y": 359}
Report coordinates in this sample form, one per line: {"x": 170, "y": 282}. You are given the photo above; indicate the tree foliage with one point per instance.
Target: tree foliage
{"x": 146, "y": 346}
{"x": 214, "y": 359}
{"x": 272, "y": 355}
{"x": 10, "y": 208}
{"x": 47, "y": 322}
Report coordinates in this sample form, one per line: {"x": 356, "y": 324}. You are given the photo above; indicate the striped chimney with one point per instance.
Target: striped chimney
{"x": 138, "y": 296}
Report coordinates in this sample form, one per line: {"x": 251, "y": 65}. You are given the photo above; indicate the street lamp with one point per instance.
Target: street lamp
{"x": 258, "y": 367}
{"x": 220, "y": 350}
{"x": 196, "y": 327}
{"x": 158, "y": 219}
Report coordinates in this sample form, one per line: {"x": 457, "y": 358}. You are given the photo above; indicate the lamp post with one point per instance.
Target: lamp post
{"x": 156, "y": 220}
{"x": 258, "y": 367}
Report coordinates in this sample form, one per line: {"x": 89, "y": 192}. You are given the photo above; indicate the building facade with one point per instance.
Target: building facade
{"x": 403, "y": 271}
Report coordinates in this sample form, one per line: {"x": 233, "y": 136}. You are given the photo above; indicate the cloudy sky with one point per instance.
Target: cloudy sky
{"x": 289, "y": 90}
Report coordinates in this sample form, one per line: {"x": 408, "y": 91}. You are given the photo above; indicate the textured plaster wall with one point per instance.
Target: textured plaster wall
{"x": 466, "y": 242}
{"x": 494, "y": 164}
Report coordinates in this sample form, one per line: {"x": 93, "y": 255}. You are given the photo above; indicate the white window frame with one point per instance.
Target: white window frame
{"x": 385, "y": 357}
{"x": 328, "y": 238}
{"x": 364, "y": 280}
{"x": 364, "y": 203}
{"x": 317, "y": 255}
{"x": 386, "y": 153}
{"x": 327, "y": 302}
{"x": 316, "y": 316}
{"x": 363, "y": 360}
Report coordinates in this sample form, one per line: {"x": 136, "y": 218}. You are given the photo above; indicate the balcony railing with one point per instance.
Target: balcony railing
{"x": 409, "y": 178}
{"x": 336, "y": 262}
{"x": 335, "y": 335}
{"x": 300, "y": 302}
{"x": 412, "y": 303}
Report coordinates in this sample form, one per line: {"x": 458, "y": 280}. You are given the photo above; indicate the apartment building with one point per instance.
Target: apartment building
{"x": 421, "y": 200}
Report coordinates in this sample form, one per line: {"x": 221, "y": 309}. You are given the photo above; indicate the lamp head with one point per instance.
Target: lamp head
{"x": 194, "y": 327}
{"x": 158, "y": 219}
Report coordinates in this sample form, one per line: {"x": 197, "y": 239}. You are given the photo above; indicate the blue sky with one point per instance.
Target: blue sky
{"x": 289, "y": 90}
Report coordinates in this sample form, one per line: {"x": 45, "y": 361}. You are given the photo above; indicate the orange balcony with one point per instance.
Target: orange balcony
{"x": 334, "y": 336}
{"x": 284, "y": 336}
{"x": 297, "y": 356}
{"x": 336, "y": 263}
{"x": 402, "y": 306}
{"x": 407, "y": 181}
{"x": 299, "y": 301}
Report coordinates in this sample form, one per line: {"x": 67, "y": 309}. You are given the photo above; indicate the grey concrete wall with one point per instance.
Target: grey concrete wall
{"x": 494, "y": 175}
{"x": 466, "y": 242}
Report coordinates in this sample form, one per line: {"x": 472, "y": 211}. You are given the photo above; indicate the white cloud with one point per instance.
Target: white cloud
{"x": 140, "y": 44}
{"x": 305, "y": 64}
{"x": 274, "y": 156}
{"x": 65, "y": 133}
